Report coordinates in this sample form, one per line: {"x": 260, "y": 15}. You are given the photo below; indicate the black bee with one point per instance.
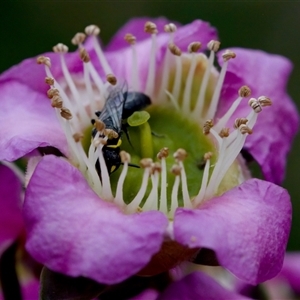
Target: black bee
{"x": 119, "y": 106}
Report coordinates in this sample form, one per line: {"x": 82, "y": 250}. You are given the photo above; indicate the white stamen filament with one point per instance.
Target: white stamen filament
{"x": 178, "y": 74}
{"x": 186, "y": 105}
{"x": 174, "y": 102}
{"x": 119, "y": 193}
{"x": 135, "y": 74}
{"x": 163, "y": 190}
{"x": 151, "y": 71}
{"x": 88, "y": 84}
{"x": 198, "y": 110}
{"x": 134, "y": 204}
{"x": 174, "y": 196}
{"x": 185, "y": 192}
{"x": 151, "y": 202}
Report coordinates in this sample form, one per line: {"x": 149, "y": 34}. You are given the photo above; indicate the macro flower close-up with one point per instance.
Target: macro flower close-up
{"x": 138, "y": 157}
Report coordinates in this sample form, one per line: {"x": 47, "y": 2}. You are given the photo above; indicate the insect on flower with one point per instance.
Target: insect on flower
{"x": 112, "y": 121}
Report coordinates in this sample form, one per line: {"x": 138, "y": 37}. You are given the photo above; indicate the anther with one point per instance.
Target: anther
{"x": 111, "y": 79}
{"x": 84, "y": 56}
{"x": 244, "y": 91}
{"x": 57, "y": 101}
{"x": 264, "y": 101}
{"x": 78, "y": 38}
{"x": 65, "y": 113}
{"x": 176, "y": 170}
{"x": 52, "y": 92}
{"x": 92, "y": 30}
{"x": 213, "y": 45}
{"x": 99, "y": 125}
{"x": 156, "y": 167}
{"x": 164, "y": 152}
{"x": 146, "y": 162}
{"x": 150, "y": 27}
{"x": 207, "y": 126}
{"x": 228, "y": 54}
{"x": 245, "y": 129}
{"x": 174, "y": 49}
{"x": 224, "y": 132}
{"x": 44, "y": 60}
{"x": 194, "y": 47}
{"x": 125, "y": 156}
{"x": 207, "y": 156}
{"x": 254, "y": 104}
{"x": 49, "y": 80}
{"x": 180, "y": 154}
{"x": 77, "y": 137}
{"x": 60, "y": 48}
{"x": 170, "y": 27}
{"x": 111, "y": 134}
{"x": 239, "y": 121}
{"x": 130, "y": 38}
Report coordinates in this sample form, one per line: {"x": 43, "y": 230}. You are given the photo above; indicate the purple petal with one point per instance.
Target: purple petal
{"x": 72, "y": 231}
{"x": 198, "y": 286}
{"x": 247, "y": 227}
{"x": 146, "y": 295}
{"x": 11, "y": 224}
{"x": 291, "y": 270}
{"x": 266, "y": 75}
{"x": 27, "y": 121}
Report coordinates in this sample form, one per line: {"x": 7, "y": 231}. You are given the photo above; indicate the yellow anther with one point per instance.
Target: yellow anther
{"x": 164, "y": 152}
{"x": 78, "y": 38}
{"x": 84, "y": 56}
{"x": 125, "y": 156}
{"x": 57, "y": 101}
{"x": 176, "y": 170}
{"x": 254, "y": 104}
{"x": 174, "y": 49}
{"x": 111, "y": 79}
{"x": 207, "y": 126}
{"x": 224, "y": 132}
{"x": 228, "y": 54}
{"x": 44, "y": 60}
{"x": 245, "y": 129}
{"x": 130, "y": 38}
{"x": 150, "y": 27}
{"x": 194, "y": 47}
{"x": 264, "y": 101}
{"x": 49, "y": 80}
{"x": 99, "y": 125}
{"x": 65, "y": 113}
{"x": 77, "y": 137}
{"x": 180, "y": 154}
{"x": 239, "y": 121}
{"x": 52, "y": 92}
{"x": 207, "y": 156}
{"x": 146, "y": 162}
{"x": 244, "y": 91}
{"x": 213, "y": 45}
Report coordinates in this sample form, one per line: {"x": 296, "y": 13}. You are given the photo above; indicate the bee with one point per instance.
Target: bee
{"x": 120, "y": 105}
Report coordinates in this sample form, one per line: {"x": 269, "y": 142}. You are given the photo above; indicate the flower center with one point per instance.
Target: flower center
{"x": 184, "y": 157}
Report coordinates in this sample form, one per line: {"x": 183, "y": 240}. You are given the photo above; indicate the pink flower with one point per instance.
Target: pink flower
{"x": 148, "y": 220}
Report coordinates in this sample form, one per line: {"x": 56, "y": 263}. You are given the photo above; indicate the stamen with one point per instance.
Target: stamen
{"x": 151, "y": 202}
{"x": 151, "y": 29}
{"x": 180, "y": 155}
{"x": 145, "y": 163}
{"x": 106, "y": 192}
{"x": 244, "y": 92}
{"x": 186, "y": 105}
{"x": 111, "y": 79}
{"x": 125, "y": 159}
{"x": 213, "y": 46}
{"x": 200, "y": 197}
{"x": 174, "y": 102}
{"x": 169, "y": 28}
{"x": 162, "y": 155}
{"x": 131, "y": 39}
{"x": 227, "y": 55}
{"x": 224, "y": 132}
{"x": 264, "y": 101}
{"x": 176, "y": 170}
{"x": 239, "y": 121}
{"x": 93, "y": 30}
{"x": 49, "y": 80}
{"x": 57, "y": 101}
{"x": 65, "y": 113}
{"x": 62, "y": 49}
{"x": 78, "y": 38}
{"x": 207, "y": 126}
{"x": 177, "y": 82}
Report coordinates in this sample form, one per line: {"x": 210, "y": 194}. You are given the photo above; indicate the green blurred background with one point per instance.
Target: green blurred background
{"x": 32, "y": 27}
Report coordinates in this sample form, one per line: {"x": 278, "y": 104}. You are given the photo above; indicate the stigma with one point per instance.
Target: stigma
{"x": 87, "y": 97}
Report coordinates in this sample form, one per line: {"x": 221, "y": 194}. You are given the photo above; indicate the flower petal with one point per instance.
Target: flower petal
{"x": 198, "y": 286}
{"x": 266, "y": 75}
{"x": 72, "y": 231}
{"x": 27, "y": 121}
{"x": 10, "y": 207}
{"x": 247, "y": 227}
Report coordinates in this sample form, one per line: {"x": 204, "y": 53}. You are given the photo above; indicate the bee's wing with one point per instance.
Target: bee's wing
{"x": 113, "y": 109}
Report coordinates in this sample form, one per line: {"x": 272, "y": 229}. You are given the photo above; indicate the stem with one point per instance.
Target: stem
{"x": 146, "y": 140}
